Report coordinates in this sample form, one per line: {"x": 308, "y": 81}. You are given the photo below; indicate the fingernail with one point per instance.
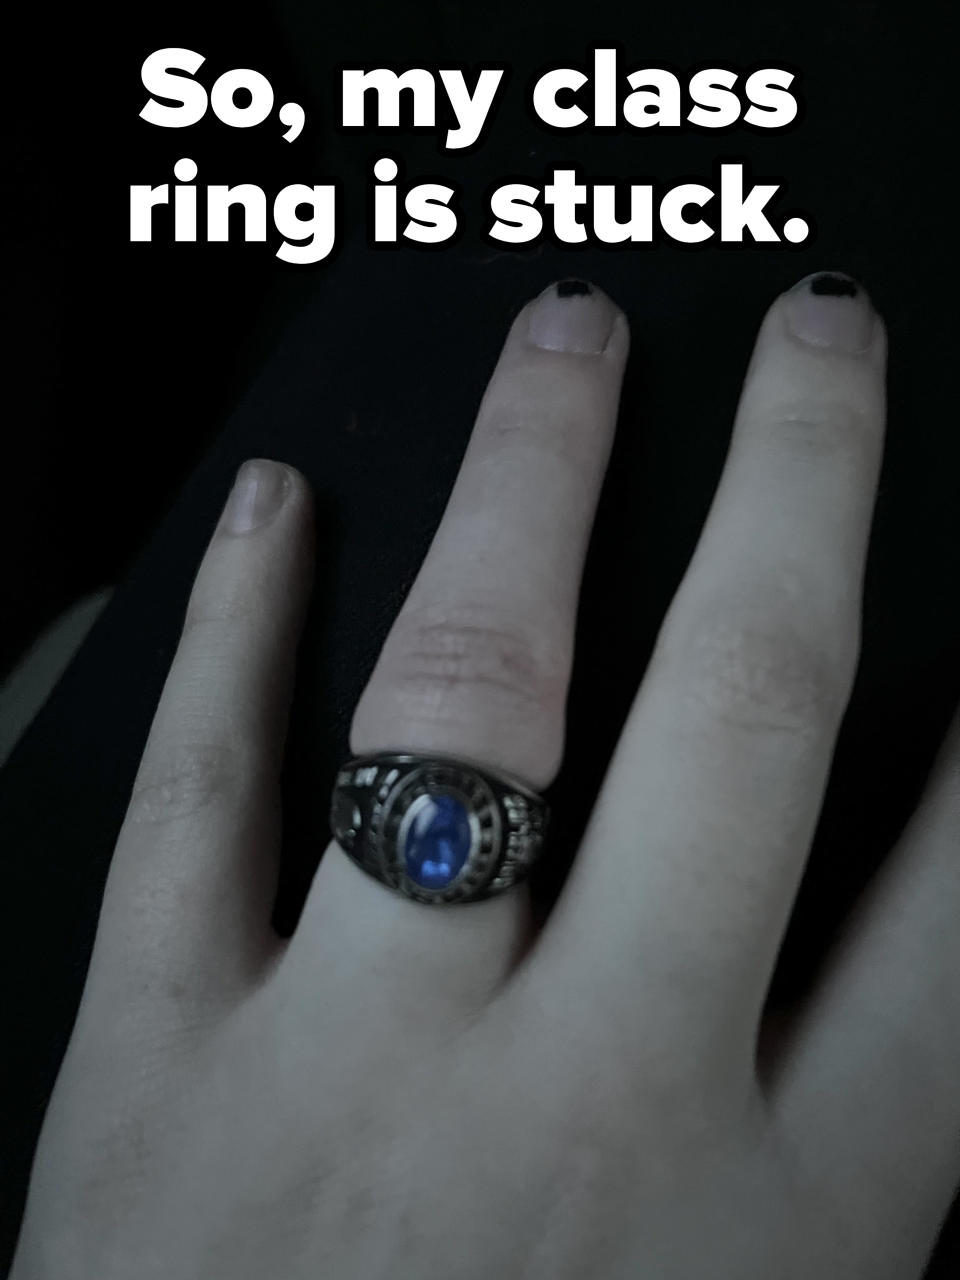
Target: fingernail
{"x": 572, "y": 315}
{"x": 257, "y": 495}
{"x": 830, "y": 309}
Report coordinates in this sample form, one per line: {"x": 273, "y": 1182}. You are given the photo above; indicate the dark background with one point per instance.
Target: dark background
{"x": 127, "y": 409}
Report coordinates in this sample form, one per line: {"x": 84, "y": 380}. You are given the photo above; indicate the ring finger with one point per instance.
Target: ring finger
{"x": 478, "y": 661}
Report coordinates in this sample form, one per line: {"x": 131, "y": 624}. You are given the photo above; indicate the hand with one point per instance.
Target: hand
{"x": 408, "y": 1091}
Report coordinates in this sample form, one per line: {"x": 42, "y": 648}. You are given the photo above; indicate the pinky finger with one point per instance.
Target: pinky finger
{"x": 186, "y": 913}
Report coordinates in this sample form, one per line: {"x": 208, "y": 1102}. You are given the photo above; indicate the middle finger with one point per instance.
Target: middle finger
{"x": 691, "y": 863}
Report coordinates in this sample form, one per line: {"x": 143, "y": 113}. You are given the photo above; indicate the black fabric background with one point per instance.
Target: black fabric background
{"x": 139, "y": 377}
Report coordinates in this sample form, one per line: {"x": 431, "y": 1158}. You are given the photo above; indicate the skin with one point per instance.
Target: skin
{"x": 407, "y": 1091}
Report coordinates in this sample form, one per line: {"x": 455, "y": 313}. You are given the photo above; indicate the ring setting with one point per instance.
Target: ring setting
{"x": 436, "y": 829}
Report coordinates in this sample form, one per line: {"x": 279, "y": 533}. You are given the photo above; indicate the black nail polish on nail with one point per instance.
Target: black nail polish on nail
{"x": 831, "y": 310}
{"x": 572, "y": 288}
{"x": 833, "y": 284}
{"x": 572, "y": 316}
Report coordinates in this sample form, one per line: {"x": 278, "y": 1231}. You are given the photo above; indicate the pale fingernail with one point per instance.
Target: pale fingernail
{"x": 831, "y": 310}
{"x": 573, "y": 316}
{"x": 258, "y": 494}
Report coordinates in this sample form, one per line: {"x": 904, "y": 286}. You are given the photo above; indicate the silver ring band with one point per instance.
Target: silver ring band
{"x": 437, "y": 829}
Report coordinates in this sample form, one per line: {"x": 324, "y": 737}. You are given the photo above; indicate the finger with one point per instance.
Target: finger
{"x": 692, "y": 859}
{"x": 478, "y": 660}
{"x": 187, "y": 905}
{"x": 866, "y": 1082}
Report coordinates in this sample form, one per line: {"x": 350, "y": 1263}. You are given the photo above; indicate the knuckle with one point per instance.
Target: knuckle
{"x": 547, "y": 418}
{"x": 225, "y": 607}
{"x": 179, "y": 781}
{"x": 758, "y": 675}
{"x": 521, "y": 418}
{"x": 828, "y": 425}
{"x": 525, "y": 415}
{"x": 439, "y": 661}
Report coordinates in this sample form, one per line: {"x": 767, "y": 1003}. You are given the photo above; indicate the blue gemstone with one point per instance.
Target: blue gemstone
{"x": 437, "y": 841}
